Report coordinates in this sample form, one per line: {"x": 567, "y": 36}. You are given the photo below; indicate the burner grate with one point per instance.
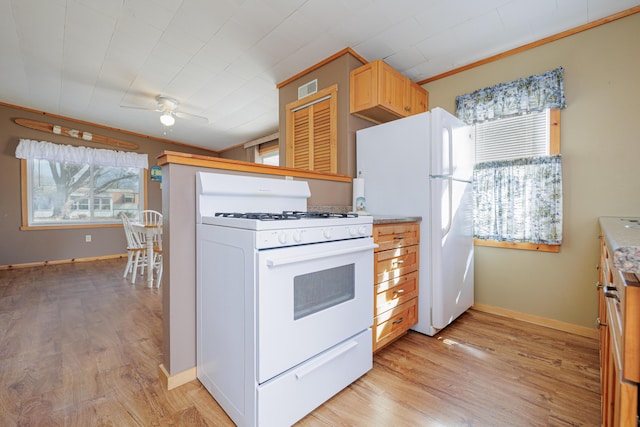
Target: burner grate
{"x": 284, "y": 215}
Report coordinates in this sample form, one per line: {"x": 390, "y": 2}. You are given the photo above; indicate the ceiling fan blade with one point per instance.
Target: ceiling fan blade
{"x": 190, "y": 116}
{"x": 132, "y": 107}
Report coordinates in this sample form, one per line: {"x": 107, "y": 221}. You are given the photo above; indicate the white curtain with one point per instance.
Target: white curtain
{"x": 30, "y": 149}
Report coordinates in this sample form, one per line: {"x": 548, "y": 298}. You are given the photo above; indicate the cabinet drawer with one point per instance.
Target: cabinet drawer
{"x": 395, "y": 292}
{"x": 395, "y": 263}
{"x": 392, "y": 236}
{"x": 395, "y": 322}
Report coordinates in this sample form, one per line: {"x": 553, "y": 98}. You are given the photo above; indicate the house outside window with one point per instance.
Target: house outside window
{"x": 62, "y": 193}
{"x": 68, "y": 186}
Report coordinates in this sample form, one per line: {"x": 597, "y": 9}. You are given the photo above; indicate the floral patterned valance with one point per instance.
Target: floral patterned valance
{"x": 534, "y": 93}
{"x": 519, "y": 200}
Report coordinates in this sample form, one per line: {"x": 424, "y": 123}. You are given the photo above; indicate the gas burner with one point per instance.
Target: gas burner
{"x": 314, "y": 214}
{"x": 265, "y": 216}
{"x": 261, "y": 216}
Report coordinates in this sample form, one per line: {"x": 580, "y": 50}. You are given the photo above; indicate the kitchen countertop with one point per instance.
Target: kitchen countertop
{"x": 622, "y": 236}
{"x": 389, "y": 219}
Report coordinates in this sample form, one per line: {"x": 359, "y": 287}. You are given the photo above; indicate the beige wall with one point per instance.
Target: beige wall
{"x": 35, "y": 246}
{"x": 600, "y": 146}
{"x": 335, "y": 72}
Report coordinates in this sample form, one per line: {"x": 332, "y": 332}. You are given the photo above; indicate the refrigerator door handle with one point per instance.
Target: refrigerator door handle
{"x": 467, "y": 181}
{"x": 446, "y": 230}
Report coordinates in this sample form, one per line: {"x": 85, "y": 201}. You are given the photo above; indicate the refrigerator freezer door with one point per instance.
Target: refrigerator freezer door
{"x": 451, "y": 250}
{"x": 452, "y": 149}
{"x": 393, "y": 159}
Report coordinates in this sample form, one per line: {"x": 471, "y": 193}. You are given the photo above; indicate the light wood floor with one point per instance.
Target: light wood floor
{"x": 80, "y": 346}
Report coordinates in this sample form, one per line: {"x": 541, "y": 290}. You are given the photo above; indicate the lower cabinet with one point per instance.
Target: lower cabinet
{"x": 618, "y": 297}
{"x": 396, "y": 287}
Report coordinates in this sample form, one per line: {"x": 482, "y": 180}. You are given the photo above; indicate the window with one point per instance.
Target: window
{"x": 527, "y": 135}
{"x": 268, "y": 154}
{"x": 69, "y": 194}
{"x": 518, "y": 173}
{"x": 312, "y": 132}
{"x": 517, "y": 179}
{"x": 92, "y": 188}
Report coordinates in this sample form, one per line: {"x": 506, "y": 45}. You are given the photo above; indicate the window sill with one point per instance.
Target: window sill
{"x": 67, "y": 226}
{"x": 517, "y": 245}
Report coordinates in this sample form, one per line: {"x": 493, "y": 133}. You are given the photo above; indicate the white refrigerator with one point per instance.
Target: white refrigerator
{"x": 422, "y": 165}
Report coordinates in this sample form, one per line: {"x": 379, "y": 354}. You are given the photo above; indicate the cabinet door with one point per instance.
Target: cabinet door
{"x": 392, "y": 89}
{"x": 416, "y": 99}
{"x": 363, "y": 88}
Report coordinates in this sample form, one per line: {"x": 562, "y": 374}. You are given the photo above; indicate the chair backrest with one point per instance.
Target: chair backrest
{"x": 150, "y": 217}
{"x": 134, "y": 240}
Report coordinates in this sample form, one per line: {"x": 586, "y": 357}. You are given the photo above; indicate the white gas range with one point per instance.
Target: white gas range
{"x": 284, "y": 304}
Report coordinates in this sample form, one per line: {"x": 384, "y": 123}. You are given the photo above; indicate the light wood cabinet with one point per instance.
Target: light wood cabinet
{"x": 619, "y": 324}
{"x": 396, "y": 287}
{"x": 379, "y": 93}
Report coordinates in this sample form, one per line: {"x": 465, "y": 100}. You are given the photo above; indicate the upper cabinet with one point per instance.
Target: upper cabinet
{"x": 380, "y": 93}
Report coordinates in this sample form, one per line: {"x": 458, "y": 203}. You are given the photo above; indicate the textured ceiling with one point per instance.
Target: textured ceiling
{"x": 222, "y": 59}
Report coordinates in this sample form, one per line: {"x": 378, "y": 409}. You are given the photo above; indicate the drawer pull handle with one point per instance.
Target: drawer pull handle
{"x": 398, "y": 237}
{"x": 599, "y": 285}
{"x": 612, "y": 295}
{"x": 398, "y": 261}
{"x": 599, "y": 323}
{"x": 397, "y": 322}
{"x": 398, "y": 292}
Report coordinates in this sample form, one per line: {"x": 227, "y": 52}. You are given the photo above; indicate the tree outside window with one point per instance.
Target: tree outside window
{"x": 68, "y": 193}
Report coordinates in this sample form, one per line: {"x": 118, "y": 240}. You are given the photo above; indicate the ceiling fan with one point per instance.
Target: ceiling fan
{"x": 168, "y": 106}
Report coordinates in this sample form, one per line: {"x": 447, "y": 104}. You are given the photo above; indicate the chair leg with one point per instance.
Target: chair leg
{"x": 135, "y": 266}
{"x": 159, "y": 272}
{"x": 127, "y": 269}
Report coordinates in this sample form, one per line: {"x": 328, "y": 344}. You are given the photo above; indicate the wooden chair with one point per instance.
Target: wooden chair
{"x": 157, "y": 261}
{"x": 151, "y": 217}
{"x": 136, "y": 248}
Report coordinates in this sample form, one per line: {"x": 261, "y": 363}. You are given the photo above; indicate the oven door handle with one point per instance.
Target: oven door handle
{"x": 294, "y": 259}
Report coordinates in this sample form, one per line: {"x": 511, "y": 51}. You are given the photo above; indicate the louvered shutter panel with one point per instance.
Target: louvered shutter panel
{"x": 322, "y": 147}
{"x": 312, "y": 132}
{"x": 301, "y": 139}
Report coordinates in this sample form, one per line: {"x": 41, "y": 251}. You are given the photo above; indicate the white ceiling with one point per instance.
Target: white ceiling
{"x": 222, "y": 59}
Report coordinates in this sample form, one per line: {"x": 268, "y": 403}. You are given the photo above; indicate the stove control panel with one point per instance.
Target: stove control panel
{"x": 266, "y": 239}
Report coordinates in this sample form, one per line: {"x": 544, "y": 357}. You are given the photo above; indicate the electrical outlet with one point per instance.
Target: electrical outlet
{"x": 87, "y": 238}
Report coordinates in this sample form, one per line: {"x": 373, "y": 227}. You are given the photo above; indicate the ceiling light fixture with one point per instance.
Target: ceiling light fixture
{"x": 167, "y": 119}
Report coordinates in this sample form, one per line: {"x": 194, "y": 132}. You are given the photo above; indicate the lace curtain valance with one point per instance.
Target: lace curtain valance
{"x": 30, "y": 149}
{"x": 534, "y": 93}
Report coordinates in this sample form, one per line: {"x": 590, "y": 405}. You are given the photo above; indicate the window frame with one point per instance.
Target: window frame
{"x": 267, "y": 152}
{"x": 554, "y": 148}
{"x": 25, "y": 195}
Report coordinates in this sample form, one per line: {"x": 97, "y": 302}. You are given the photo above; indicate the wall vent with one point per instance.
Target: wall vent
{"x": 308, "y": 89}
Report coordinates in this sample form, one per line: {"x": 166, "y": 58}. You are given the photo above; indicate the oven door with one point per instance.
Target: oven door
{"x": 310, "y": 298}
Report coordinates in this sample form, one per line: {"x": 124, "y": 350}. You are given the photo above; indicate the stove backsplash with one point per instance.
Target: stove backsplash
{"x": 331, "y": 209}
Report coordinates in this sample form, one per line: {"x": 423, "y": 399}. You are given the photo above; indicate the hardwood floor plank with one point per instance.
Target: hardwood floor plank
{"x": 80, "y": 346}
